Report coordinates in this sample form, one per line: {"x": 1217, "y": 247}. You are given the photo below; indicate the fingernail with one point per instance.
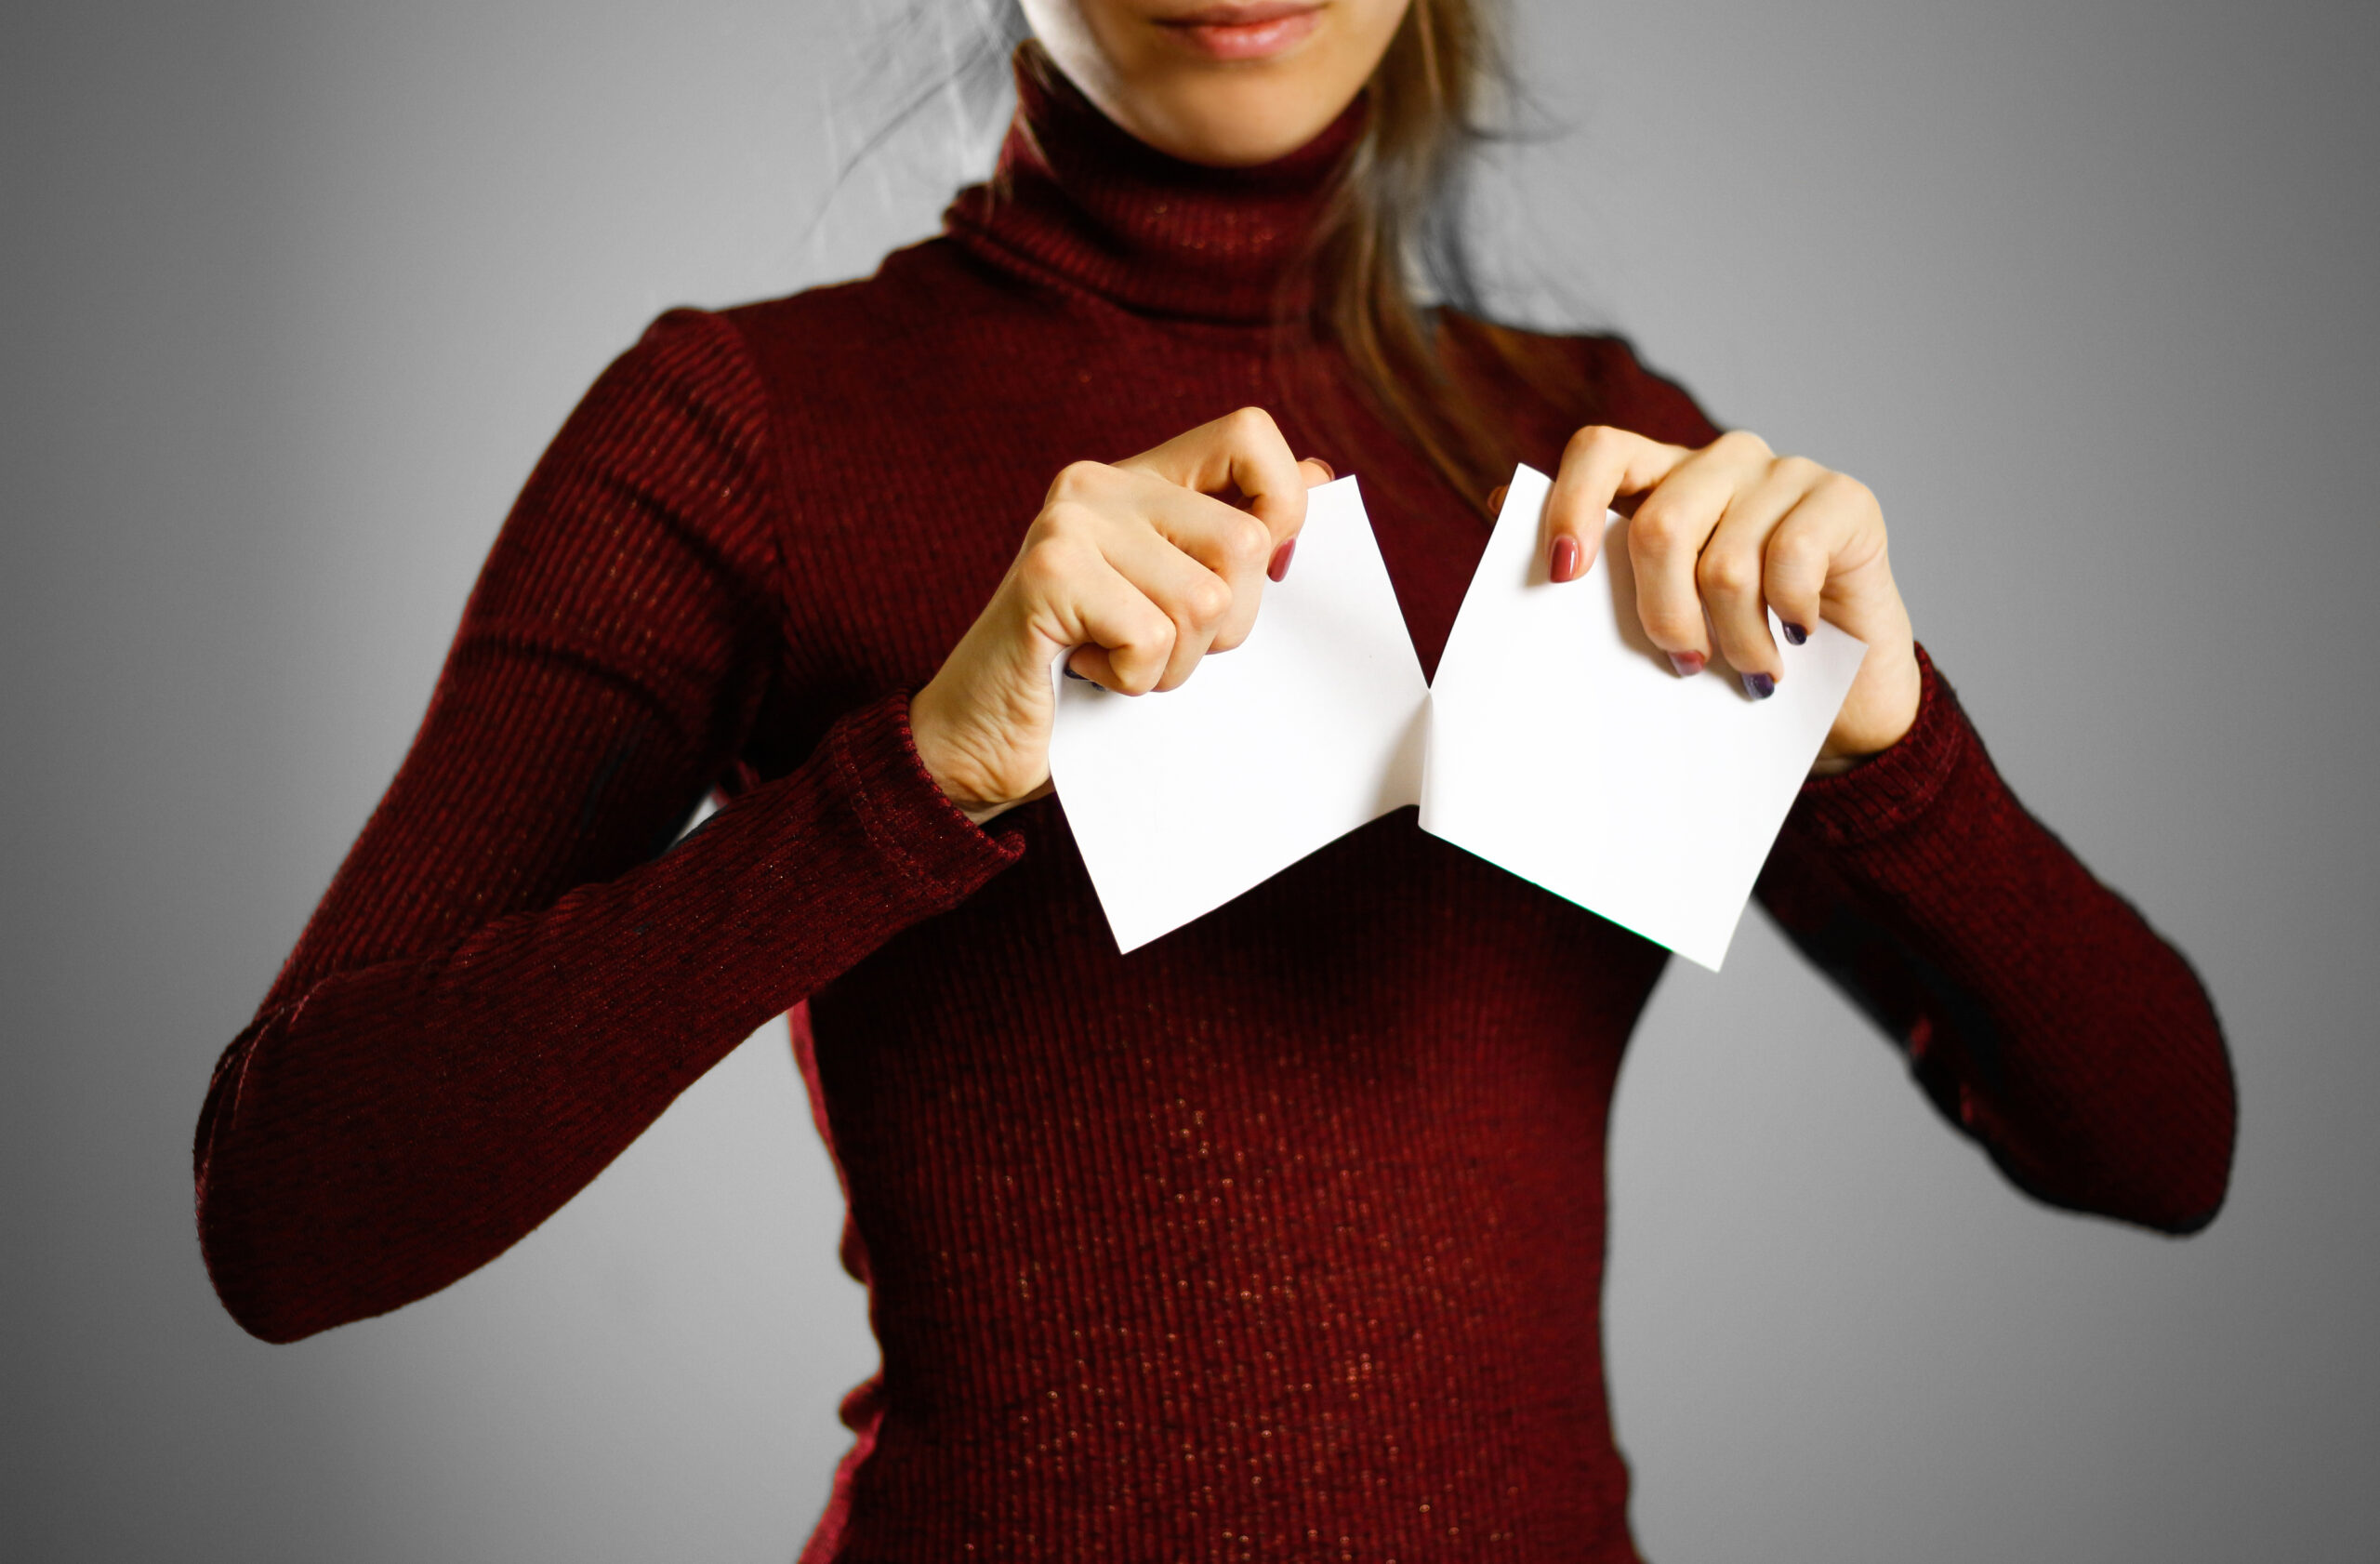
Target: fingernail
{"x": 1687, "y": 664}
{"x": 1794, "y": 634}
{"x": 1496, "y": 496}
{"x": 1072, "y": 674}
{"x": 1565, "y": 558}
{"x": 1329, "y": 471}
{"x": 1760, "y": 686}
{"x": 1280, "y": 566}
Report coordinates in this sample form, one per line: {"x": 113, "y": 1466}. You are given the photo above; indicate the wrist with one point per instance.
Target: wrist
{"x": 1895, "y": 786}
{"x": 1878, "y": 713}
{"x": 950, "y": 764}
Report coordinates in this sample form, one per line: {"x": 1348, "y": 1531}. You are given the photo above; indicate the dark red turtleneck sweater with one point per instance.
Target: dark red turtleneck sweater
{"x": 1281, "y": 1238}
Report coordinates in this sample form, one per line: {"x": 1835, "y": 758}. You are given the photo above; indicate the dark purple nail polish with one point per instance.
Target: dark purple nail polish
{"x": 1687, "y": 664}
{"x": 1280, "y": 566}
{"x": 1794, "y": 634}
{"x": 1565, "y": 562}
{"x": 1072, "y": 674}
{"x": 1760, "y": 686}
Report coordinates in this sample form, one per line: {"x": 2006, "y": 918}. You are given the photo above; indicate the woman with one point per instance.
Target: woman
{"x": 1281, "y": 1237}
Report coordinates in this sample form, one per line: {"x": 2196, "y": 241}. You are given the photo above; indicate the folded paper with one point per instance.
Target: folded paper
{"x": 1565, "y": 747}
{"x": 1306, "y": 729}
{"x": 1556, "y": 742}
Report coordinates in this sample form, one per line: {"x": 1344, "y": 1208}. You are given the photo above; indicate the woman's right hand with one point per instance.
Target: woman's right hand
{"x": 1142, "y": 567}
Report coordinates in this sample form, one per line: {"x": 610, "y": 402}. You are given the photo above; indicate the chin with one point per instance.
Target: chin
{"x": 1237, "y": 123}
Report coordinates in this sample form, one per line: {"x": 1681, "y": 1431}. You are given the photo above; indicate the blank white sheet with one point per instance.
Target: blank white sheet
{"x": 1311, "y": 727}
{"x": 1564, "y": 749}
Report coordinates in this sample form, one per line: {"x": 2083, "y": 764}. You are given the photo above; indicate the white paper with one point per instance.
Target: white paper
{"x": 1309, "y": 728}
{"x": 1564, "y": 749}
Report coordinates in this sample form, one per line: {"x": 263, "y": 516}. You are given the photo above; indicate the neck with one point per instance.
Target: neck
{"x": 1079, "y": 202}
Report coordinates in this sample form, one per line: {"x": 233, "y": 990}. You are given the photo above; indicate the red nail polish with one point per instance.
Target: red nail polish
{"x": 1565, "y": 558}
{"x": 1280, "y": 566}
{"x": 1687, "y": 664}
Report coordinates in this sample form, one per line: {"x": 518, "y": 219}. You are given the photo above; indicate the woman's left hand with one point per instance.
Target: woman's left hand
{"x": 1721, "y": 534}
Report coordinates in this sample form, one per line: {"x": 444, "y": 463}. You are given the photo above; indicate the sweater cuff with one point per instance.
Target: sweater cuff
{"x": 1895, "y": 788}
{"x": 906, "y": 817}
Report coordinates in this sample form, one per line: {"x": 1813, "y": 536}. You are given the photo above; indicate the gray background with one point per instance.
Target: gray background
{"x": 296, "y": 294}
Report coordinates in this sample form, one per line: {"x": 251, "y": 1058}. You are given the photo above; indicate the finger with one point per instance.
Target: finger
{"x": 1837, "y": 521}
{"x": 1317, "y": 473}
{"x": 1232, "y": 545}
{"x": 1598, "y": 466}
{"x": 1243, "y": 451}
{"x": 1731, "y": 572}
{"x": 1198, "y": 601}
{"x": 1227, "y": 540}
{"x": 1665, "y": 538}
{"x": 1121, "y": 639}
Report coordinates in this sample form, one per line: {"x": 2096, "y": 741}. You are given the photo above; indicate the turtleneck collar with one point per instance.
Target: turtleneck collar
{"x": 1079, "y": 200}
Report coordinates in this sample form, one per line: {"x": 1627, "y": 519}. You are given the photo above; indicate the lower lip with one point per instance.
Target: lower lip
{"x": 1248, "y": 40}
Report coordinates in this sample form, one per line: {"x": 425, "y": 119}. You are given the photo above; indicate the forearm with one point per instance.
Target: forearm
{"x": 2038, "y": 1009}
{"x": 394, "y": 1127}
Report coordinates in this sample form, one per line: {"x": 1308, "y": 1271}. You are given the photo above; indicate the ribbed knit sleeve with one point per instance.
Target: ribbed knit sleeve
{"x": 2038, "y": 1009}
{"x": 509, "y": 978}
{"x": 2039, "y": 1012}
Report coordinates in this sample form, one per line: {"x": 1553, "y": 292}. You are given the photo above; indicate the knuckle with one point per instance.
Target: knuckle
{"x": 1153, "y": 630}
{"x": 1250, "y": 423}
{"x": 1076, "y": 479}
{"x": 1851, "y": 493}
{"x": 1795, "y": 557}
{"x": 1152, "y": 649}
{"x": 1725, "y": 573}
{"x": 1586, "y": 442}
{"x": 1801, "y": 470}
{"x": 1206, "y": 601}
{"x": 1248, "y": 544}
{"x": 1743, "y": 442}
{"x": 1655, "y": 532}
{"x": 1047, "y": 562}
{"x": 1064, "y": 518}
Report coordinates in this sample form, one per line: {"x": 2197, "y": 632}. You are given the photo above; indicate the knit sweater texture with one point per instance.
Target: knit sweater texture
{"x": 1281, "y": 1238}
